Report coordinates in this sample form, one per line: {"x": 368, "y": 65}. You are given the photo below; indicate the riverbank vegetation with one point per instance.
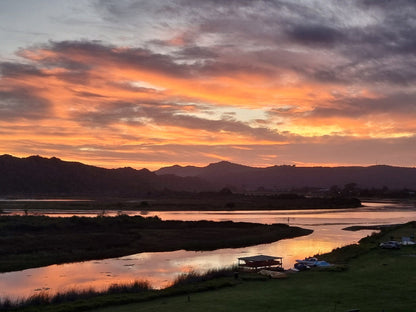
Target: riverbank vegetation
{"x": 117, "y": 294}
{"x": 370, "y": 279}
{"x": 44, "y": 298}
{"x": 33, "y": 241}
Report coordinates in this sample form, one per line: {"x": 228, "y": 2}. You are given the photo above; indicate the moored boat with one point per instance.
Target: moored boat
{"x": 301, "y": 267}
{"x": 313, "y": 262}
{"x": 310, "y": 261}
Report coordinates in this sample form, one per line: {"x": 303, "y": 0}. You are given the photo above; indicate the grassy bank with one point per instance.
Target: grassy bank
{"x": 32, "y": 241}
{"x": 367, "y": 278}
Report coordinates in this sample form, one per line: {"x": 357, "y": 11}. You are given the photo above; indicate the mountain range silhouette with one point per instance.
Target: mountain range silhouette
{"x": 37, "y": 175}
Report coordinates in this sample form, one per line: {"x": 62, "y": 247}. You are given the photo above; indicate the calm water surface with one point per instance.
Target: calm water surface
{"x": 161, "y": 268}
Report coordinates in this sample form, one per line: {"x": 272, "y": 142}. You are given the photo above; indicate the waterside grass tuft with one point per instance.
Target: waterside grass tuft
{"x": 45, "y": 299}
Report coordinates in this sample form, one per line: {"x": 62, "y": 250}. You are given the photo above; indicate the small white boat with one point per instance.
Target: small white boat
{"x": 313, "y": 262}
{"x": 308, "y": 261}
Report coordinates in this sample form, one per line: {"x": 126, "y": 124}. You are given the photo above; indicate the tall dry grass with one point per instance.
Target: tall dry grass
{"x": 45, "y": 297}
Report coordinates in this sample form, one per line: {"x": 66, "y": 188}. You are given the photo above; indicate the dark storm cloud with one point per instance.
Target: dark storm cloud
{"x": 396, "y": 71}
{"x": 380, "y": 49}
{"x": 227, "y": 68}
{"x": 310, "y": 34}
{"x": 390, "y": 31}
{"x": 77, "y": 71}
{"x": 21, "y": 102}
{"x": 74, "y": 77}
{"x": 133, "y": 57}
{"x": 129, "y": 87}
{"x": 325, "y": 22}
{"x": 403, "y": 74}
{"x": 9, "y": 69}
{"x": 346, "y": 33}
{"x": 90, "y": 54}
{"x": 143, "y": 59}
{"x": 81, "y": 58}
{"x": 354, "y": 107}
{"x": 112, "y": 113}
{"x": 384, "y": 40}
{"x": 195, "y": 52}
{"x": 85, "y": 94}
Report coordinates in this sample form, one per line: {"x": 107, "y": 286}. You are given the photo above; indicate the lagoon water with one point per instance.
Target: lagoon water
{"x": 161, "y": 268}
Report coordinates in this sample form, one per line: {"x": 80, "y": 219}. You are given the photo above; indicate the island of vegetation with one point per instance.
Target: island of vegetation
{"x": 33, "y": 241}
{"x": 213, "y": 201}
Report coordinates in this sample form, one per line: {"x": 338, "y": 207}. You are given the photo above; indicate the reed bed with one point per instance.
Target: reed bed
{"x": 46, "y": 298}
{"x": 194, "y": 277}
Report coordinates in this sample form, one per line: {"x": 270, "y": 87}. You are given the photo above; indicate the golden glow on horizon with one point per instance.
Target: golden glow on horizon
{"x": 317, "y": 164}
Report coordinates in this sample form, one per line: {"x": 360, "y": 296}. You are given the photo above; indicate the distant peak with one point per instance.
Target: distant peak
{"x": 171, "y": 167}
{"x": 144, "y": 170}
{"x": 7, "y": 156}
{"x": 127, "y": 169}
{"x": 222, "y": 163}
{"x": 381, "y": 166}
{"x": 225, "y": 164}
{"x": 176, "y": 166}
{"x": 132, "y": 170}
{"x": 34, "y": 157}
{"x": 37, "y": 158}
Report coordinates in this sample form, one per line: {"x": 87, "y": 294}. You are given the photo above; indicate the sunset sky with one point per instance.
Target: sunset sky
{"x": 153, "y": 83}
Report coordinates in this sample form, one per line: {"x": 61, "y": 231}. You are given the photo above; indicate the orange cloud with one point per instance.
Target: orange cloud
{"x": 97, "y": 103}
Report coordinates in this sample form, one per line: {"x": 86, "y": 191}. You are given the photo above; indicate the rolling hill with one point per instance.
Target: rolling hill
{"x": 288, "y": 177}
{"x": 38, "y": 176}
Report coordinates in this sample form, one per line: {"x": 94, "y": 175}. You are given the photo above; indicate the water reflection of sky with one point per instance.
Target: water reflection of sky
{"x": 162, "y": 267}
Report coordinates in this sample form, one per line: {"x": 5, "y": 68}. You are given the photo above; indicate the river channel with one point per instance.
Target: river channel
{"x": 161, "y": 268}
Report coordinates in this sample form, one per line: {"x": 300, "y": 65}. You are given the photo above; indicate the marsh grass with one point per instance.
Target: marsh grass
{"x": 194, "y": 277}
{"x": 45, "y": 298}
